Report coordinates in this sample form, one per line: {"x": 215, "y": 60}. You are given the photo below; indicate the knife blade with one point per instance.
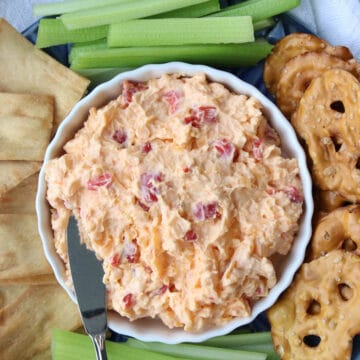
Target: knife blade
{"x": 87, "y": 274}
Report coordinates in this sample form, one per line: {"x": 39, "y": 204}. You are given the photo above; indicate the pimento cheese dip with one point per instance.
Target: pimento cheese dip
{"x": 180, "y": 187}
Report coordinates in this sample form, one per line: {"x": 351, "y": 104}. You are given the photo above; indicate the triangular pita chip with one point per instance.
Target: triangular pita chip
{"x": 20, "y": 199}
{"x": 26, "y": 69}
{"x": 46, "y": 355}
{"x": 27, "y": 321}
{"x": 13, "y": 173}
{"x": 10, "y": 294}
{"x": 46, "y": 279}
{"x": 26, "y": 123}
{"x": 21, "y": 252}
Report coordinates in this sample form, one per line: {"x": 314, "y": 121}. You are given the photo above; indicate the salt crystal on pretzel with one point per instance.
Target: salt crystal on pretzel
{"x": 330, "y": 110}
{"x": 317, "y": 317}
{"x": 291, "y": 46}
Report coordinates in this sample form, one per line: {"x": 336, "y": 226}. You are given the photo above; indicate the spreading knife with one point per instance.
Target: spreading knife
{"x": 87, "y": 274}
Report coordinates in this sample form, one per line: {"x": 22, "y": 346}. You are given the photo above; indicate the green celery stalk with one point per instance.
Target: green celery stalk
{"x": 66, "y": 345}
{"x": 90, "y": 43}
{"x": 158, "y": 32}
{"x": 273, "y": 356}
{"x": 268, "y": 349}
{"x": 122, "y": 12}
{"x": 53, "y": 32}
{"x": 86, "y": 47}
{"x": 62, "y": 7}
{"x": 258, "y": 342}
{"x": 232, "y": 341}
{"x": 196, "y": 351}
{"x": 263, "y": 24}
{"x": 229, "y": 55}
{"x": 258, "y": 9}
{"x": 192, "y": 11}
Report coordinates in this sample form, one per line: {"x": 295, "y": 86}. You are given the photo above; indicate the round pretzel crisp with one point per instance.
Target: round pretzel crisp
{"x": 340, "y": 229}
{"x": 327, "y": 200}
{"x": 298, "y": 72}
{"x": 328, "y": 119}
{"x": 291, "y": 46}
{"x": 317, "y": 317}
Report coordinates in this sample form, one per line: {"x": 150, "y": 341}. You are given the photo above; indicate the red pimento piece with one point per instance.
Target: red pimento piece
{"x": 271, "y": 134}
{"x": 142, "y": 205}
{"x": 130, "y": 88}
{"x": 206, "y": 211}
{"x": 260, "y": 290}
{"x": 193, "y": 120}
{"x": 160, "y": 291}
{"x": 292, "y": 192}
{"x": 148, "y": 189}
{"x": 131, "y": 251}
{"x": 186, "y": 169}
{"x": 294, "y": 195}
{"x": 128, "y": 300}
{"x": 115, "y": 260}
{"x": 146, "y": 147}
{"x": 208, "y": 114}
{"x": 120, "y": 136}
{"x": 172, "y": 97}
{"x": 191, "y": 235}
{"x": 100, "y": 181}
{"x": 258, "y": 149}
{"x": 225, "y": 149}
{"x": 200, "y": 115}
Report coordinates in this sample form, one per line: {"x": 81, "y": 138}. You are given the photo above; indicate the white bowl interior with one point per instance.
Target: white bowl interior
{"x": 153, "y": 329}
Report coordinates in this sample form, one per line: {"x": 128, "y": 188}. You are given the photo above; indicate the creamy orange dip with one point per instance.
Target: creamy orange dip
{"x": 180, "y": 187}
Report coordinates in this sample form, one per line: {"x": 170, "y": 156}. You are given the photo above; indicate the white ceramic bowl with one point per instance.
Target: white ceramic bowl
{"x": 152, "y": 329}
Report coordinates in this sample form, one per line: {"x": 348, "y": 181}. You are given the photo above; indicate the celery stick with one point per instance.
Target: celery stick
{"x": 258, "y": 9}
{"x": 258, "y": 342}
{"x": 193, "y": 11}
{"x": 197, "y": 351}
{"x": 272, "y": 356}
{"x": 240, "y": 339}
{"x": 89, "y": 43}
{"x": 71, "y": 346}
{"x": 53, "y": 32}
{"x": 263, "y": 24}
{"x": 127, "y": 11}
{"x": 265, "y": 347}
{"x": 230, "y": 55}
{"x": 268, "y": 349}
{"x": 158, "y": 32}
{"x": 88, "y": 47}
{"x": 62, "y": 7}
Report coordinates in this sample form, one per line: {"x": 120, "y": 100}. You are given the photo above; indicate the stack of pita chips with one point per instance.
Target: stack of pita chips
{"x": 36, "y": 93}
